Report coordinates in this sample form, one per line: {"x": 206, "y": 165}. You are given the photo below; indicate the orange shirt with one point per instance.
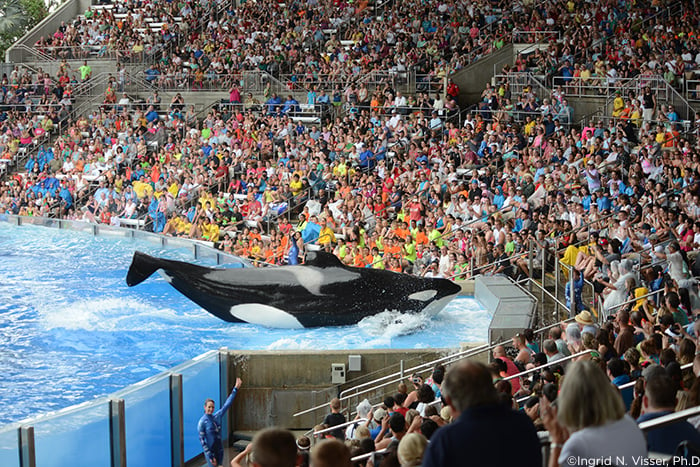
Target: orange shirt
{"x": 422, "y": 238}
{"x": 393, "y": 250}
{"x": 401, "y": 233}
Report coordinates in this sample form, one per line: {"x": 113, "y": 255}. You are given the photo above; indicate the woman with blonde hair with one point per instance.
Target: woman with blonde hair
{"x": 411, "y": 449}
{"x": 590, "y": 420}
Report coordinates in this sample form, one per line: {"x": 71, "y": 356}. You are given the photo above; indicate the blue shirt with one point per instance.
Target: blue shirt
{"x": 209, "y": 428}
{"x": 666, "y": 439}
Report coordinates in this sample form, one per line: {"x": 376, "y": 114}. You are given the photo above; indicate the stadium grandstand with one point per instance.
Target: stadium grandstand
{"x": 554, "y": 142}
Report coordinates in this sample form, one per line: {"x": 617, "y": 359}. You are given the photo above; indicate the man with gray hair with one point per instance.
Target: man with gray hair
{"x": 481, "y": 425}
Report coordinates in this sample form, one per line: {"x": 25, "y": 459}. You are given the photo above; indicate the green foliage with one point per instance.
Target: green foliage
{"x": 35, "y": 11}
{"x": 16, "y": 18}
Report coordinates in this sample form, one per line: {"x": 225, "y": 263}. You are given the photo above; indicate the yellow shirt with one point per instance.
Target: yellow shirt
{"x": 529, "y": 127}
{"x": 295, "y": 186}
{"x": 618, "y": 106}
{"x": 141, "y": 188}
{"x": 341, "y": 169}
{"x": 210, "y": 232}
{"x": 326, "y": 236}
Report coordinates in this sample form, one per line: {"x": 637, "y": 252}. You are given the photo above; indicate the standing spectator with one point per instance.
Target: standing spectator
{"x": 85, "y": 71}
{"x": 335, "y": 418}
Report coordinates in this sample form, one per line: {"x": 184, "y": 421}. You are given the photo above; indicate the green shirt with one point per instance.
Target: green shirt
{"x": 436, "y": 236}
{"x": 410, "y": 252}
{"x": 85, "y": 71}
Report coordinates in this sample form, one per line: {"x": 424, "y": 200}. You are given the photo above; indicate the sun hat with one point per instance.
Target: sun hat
{"x": 584, "y": 317}
{"x": 379, "y": 414}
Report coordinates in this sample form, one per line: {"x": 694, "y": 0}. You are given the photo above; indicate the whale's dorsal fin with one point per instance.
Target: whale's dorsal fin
{"x": 321, "y": 259}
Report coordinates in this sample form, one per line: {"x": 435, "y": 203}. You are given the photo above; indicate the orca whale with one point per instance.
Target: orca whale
{"x": 321, "y": 292}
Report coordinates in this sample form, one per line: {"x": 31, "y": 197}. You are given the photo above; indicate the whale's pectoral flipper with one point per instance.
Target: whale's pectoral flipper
{"x": 142, "y": 267}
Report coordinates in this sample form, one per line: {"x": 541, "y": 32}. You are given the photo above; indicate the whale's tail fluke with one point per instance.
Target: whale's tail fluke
{"x": 142, "y": 267}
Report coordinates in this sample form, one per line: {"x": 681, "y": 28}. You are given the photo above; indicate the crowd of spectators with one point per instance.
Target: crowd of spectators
{"x": 405, "y": 183}
{"x": 398, "y": 182}
{"x": 125, "y": 29}
{"x": 587, "y": 384}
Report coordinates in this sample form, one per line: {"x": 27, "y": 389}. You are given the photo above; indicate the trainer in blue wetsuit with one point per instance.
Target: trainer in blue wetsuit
{"x": 209, "y": 428}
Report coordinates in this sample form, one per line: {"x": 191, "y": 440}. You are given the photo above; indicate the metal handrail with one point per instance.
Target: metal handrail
{"x": 400, "y": 375}
{"x": 337, "y": 427}
{"x": 669, "y": 419}
{"x": 362, "y": 457}
{"x": 547, "y": 365}
{"x": 546, "y": 328}
{"x": 418, "y": 368}
{"x": 550, "y": 295}
{"x": 632, "y": 383}
{"x": 632, "y": 300}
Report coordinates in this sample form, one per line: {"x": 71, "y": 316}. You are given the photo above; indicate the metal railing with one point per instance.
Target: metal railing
{"x": 632, "y": 383}
{"x": 669, "y": 419}
{"x": 633, "y": 300}
{"x": 547, "y": 365}
{"x": 337, "y": 427}
{"x": 692, "y": 89}
{"x": 393, "y": 378}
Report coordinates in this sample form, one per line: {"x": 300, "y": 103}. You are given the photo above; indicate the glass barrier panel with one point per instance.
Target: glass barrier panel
{"x": 200, "y": 381}
{"x": 9, "y": 446}
{"x": 147, "y": 412}
{"x": 78, "y": 436}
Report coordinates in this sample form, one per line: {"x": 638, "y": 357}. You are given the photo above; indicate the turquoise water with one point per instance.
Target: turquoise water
{"x": 71, "y": 330}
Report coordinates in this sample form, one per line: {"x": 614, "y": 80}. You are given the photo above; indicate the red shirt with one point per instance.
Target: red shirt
{"x": 512, "y": 370}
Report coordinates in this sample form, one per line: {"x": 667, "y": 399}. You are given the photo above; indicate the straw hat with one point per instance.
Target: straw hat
{"x": 584, "y": 318}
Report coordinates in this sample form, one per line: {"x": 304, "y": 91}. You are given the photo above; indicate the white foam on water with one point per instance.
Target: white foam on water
{"x": 108, "y": 314}
{"x": 390, "y": 324}
{"x": 463, "y": 320}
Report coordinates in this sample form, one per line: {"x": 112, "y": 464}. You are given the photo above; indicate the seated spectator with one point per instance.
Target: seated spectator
{"x": 411, "y": 449}
{"x": 589, "y": 421}
{"x": 660, "y": 399}
{"x": 481, "y": 424}
{"x": 271, "y": 447}
{"x": 330, "y": 453}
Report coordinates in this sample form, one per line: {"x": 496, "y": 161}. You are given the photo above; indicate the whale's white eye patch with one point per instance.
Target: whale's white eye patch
{"x": 423, "y": 295}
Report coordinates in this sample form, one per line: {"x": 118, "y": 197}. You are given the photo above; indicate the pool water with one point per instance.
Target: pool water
{"x": 71, "y": 330}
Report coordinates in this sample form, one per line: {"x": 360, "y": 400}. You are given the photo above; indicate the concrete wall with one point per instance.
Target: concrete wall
{"x": 586, "y": 106}
{"x": 473, "y": 78}
{"x": 66, "y": 12}
{"x": 278, "y": 384}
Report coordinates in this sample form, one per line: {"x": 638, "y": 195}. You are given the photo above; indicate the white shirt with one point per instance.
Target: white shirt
{"x": 622, "y": 441}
